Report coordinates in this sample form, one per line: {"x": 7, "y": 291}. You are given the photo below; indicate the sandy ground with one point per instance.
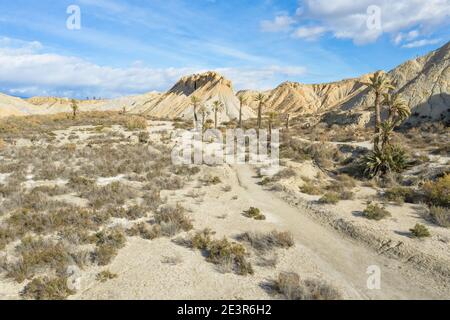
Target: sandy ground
{"x": 320, "y": 251}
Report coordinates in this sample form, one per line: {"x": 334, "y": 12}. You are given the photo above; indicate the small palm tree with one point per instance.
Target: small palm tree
{"x": 271, "y": 117}
{"x": 74, "y": 107}
{"x": 195, "y": 101}
{"x": 379, "y": 83}
{"x": 399, "y": 109}
{"x": 261, "y": 99}
{"x": 242, "y": 101}
{"x": 203, "y": 111}
{"x": 217, "y": 107}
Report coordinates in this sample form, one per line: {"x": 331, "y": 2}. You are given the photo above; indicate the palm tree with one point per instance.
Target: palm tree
{"x": 399, "y": 109}
{"x": 242, "y": 100}
{"x": 287, "y": 121}
{"x": 261, "y": 99}
{"x": 380, "y": 84}
{"x": 203, "y": 111}
{"x": 271, "y": 117}
{"x": 74, "y": 107}
{"x": 217, "y": 107}
{"x": 195, "y": 102}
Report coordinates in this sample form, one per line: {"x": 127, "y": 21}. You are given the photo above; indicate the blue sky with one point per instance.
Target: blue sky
{"x": 136, "y": 46}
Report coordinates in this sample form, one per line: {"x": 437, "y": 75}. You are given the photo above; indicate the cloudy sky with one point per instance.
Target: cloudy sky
{"x": 135, "y": 46}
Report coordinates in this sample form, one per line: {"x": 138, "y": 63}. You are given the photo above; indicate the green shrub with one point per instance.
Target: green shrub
{"x": 380, "y": 162}
{"x": 375, "y": 212}
{"x": 47, "y": 289}
{"x": 420, "y": 231}
{"x": 254, "y": 213}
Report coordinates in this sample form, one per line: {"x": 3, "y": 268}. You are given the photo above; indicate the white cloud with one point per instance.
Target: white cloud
{"x": 309, "y": 33}
{"x": 349, "y": 19}
{"x": 421, "y": 43}
{"x": 280, "y": 23}
{"x": 27, "y": 71}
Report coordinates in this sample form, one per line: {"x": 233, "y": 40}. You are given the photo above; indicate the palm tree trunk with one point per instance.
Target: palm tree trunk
{"x": 240, "y": 116}
{"x": 287, "y": 122}
{"x": 259, "y": 115}
{"x": 195, "y": 116}
{"x": 377, "y": 120}
{"x": 215, "y": 119}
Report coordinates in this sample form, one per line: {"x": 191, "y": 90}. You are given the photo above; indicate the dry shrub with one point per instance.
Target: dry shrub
{"x": 37, "y": 255}
{"x": 145, "y": 231}
{"x": 173, "y": 218}
{"x": 135, "y": 123}
{"x": 290, "y": 285}
{"x": 108, "y": 244}
{"x": 439, "y": 215}
{"x": 264, "y": 242}
{"x": 227, "y": 255}
{"x": 399, "y": 194}
{"x": 438, "y": 192}
{"x": 2, "y": 144}
{"x": 330, "y": 198}
{"x": 47, "y": 289}
{"x": 311, "y": 188}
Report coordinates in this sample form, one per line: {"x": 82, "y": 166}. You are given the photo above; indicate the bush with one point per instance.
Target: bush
{"x": 105, "y": 276}
{"x": 420, "y": 231}
{"x": 47, "y": 289}
{"x": 145, "y": 231}
{"x": 439, "y": 215}
{"x": 108, "y": 244}
{"x": 264, "y": 242}
{"x": 290, "y": 285}
{"x": 136, "y": 123}
{"x": 36, "y": 255}
{"x": 311, "y": 189}
{"x": 254, "y": 213}
{"x": 380, "y": 162}
{"x": 375, "y": 212}
{"x": 438, "y": 192}
{"x": 330, "y": 198}
{"x": 228, "y": 255}
{"x": 143, "y": 137}
{"x": 399, "y": 194}
{"x": 174, "y": 216}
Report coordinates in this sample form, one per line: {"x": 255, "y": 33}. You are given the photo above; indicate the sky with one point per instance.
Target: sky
{"x": 111, "y": 48}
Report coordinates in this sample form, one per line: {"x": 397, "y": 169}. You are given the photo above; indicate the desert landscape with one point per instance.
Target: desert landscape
{"x": 92, "y": 207}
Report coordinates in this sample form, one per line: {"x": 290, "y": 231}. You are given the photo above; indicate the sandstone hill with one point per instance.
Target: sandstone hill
{"x": 424, "y": 83}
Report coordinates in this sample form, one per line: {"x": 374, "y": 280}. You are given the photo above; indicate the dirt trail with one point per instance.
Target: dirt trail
{"x": 342, "y": 259}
